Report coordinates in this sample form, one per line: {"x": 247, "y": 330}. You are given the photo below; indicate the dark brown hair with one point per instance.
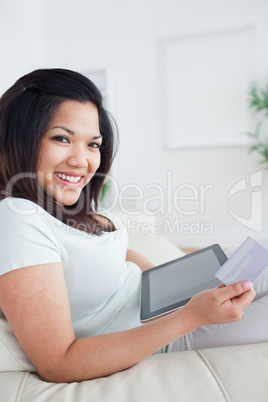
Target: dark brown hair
{"x": 26, "y": 110}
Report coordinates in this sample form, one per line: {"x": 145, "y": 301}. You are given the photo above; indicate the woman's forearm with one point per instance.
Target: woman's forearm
{"x": 46, "y": 333}
{"x": 100, "y": 356}
{"x": 139, "y": 259}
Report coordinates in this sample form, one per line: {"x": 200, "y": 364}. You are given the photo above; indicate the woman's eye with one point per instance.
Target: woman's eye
{"x": 94, "y": 145}
{"x": 61, "y": 138}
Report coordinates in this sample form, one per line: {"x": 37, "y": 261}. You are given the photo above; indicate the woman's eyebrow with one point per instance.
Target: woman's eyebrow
{"x": 64, "y": 128}
{"x": 73, "y": 133}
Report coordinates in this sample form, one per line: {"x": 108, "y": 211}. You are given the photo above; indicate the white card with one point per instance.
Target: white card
{"x": 247, "y": 263}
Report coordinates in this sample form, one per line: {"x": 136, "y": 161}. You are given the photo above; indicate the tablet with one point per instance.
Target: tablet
{"x": 170, "y": 286}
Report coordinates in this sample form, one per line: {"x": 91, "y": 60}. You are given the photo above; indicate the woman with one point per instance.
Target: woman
{"x": 68, "y": 286}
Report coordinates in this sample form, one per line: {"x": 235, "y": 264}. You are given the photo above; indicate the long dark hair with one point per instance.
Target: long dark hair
{"x": 26, "y": 109}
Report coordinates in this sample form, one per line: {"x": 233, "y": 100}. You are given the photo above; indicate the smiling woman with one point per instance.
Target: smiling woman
{"x": 69, "y": 287}
{"x": 55, "y": 136}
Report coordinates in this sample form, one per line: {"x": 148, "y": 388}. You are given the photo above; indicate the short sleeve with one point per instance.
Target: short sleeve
{"x": 26, "y": 237}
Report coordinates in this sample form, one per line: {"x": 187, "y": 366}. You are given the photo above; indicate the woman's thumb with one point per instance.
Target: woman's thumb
{"x": 236, "y": 289}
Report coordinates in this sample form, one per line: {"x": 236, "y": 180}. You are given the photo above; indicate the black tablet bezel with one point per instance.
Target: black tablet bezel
{"x": 145, "y": 311}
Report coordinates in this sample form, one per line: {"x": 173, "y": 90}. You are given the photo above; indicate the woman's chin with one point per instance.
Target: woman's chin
{"x": 68, "y": 198}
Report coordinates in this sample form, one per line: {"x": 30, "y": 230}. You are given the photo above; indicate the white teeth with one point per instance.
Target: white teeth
{"x": 71, "y": 179}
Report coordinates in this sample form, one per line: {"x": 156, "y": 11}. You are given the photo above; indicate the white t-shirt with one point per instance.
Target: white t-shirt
{"x": 103, "y": 288}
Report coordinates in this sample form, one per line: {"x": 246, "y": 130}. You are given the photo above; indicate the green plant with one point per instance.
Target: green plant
{"x": 259, "y": 102}
{"x": 104, "y": 190}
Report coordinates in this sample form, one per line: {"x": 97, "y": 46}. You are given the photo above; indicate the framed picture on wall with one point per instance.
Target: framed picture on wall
{"x": 205, "y": 78}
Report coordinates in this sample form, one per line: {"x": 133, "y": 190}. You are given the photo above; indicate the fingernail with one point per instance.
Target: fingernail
{"x": 247, "y": 284}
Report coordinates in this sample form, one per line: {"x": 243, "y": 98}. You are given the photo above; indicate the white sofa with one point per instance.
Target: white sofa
{"x": 235, "y": 374}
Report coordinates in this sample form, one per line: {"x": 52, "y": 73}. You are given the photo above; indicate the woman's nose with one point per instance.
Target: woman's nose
{"x": 77, "y": 158}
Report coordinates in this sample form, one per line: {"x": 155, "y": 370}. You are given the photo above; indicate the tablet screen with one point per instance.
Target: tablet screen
{"x": 171, "y": 285}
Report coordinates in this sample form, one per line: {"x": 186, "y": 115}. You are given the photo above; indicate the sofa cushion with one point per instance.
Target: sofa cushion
{"x": 12, "y": 356}
{"x": 236, "y": 373}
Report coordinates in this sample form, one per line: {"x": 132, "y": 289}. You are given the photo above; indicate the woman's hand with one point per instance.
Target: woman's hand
{"x": 220, "y": 305}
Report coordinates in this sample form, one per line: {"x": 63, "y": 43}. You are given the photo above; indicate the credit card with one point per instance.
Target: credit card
{"x": 247, "y": 263}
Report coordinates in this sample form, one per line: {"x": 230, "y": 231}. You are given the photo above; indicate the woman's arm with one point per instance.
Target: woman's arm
{"x": 139, "y": 259}
{"x": 35, "y": 302}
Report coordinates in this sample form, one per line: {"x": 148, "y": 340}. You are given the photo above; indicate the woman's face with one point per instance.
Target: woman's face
{"x": 70, "y": 151}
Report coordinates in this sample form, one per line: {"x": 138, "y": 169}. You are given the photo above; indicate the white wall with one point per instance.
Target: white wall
{"x": 123, "y": 37}
{"x": 21, "y": 39}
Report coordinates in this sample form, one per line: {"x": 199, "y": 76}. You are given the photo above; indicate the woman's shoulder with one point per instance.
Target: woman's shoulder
{"x": 19, "y": 208}
{"x": 18, "y": 214}
{"x": 26, "y": 236}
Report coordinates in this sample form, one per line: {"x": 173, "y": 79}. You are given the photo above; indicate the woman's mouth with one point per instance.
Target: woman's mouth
{"x": 68, "y": 179}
